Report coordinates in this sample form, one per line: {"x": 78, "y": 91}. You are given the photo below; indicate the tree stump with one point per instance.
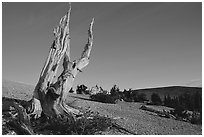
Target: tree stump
{"x": 50, "y": 92}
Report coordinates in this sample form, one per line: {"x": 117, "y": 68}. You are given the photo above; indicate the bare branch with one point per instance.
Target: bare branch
{"x": 88, "y": 46}
{"x": 87, "y": 49}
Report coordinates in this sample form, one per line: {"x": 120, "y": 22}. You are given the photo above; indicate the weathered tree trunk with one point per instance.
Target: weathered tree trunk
{"x": 49, "y": 94}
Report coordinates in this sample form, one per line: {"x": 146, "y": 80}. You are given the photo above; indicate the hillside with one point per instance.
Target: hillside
{"x": 134, "y": 119}
{"x": 127, "y": 114}
{"x": 172, "y": 91}
{"x": 16, "y": 90}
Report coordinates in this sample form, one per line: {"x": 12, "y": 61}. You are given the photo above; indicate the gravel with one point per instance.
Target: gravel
{"x": 130, "y": 117}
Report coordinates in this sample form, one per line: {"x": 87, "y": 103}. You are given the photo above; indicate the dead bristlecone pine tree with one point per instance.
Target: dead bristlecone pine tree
{"x": 51, "y": 91}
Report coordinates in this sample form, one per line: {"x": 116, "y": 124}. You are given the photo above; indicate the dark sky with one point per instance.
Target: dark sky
{"x": 136, "y": 45}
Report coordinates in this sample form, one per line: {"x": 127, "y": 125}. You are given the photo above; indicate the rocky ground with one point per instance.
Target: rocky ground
{"x": 141, "y": 122}
{"x": 127, "y": 115}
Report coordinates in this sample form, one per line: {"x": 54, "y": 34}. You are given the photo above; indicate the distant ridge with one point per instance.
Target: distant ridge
{"x": 194, "y": 83}
{"x": 173, "y": 91}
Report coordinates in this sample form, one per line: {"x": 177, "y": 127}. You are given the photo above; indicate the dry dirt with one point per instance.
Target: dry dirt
{"x": 128, "y": 115}
{"x": 136, "y": 120}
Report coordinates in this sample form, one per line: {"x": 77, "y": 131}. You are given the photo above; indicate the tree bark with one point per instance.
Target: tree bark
{"x": 49, "y": 94}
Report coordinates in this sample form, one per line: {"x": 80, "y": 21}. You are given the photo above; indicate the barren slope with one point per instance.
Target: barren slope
{"x": 128, "y": 115}
{"x": 16, "y": 90}
{"x": 139, "y": 121}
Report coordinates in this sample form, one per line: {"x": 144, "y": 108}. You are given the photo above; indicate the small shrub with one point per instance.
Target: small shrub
{"x": 156, "y": 99}
{"x": 81, "y": 89}
{"x": 196, "y": 118}
{"x": 128, "y": 95}
{"x": 140, "y": 97}
{"x": 182, "y": 114}
{"x": 71, "y": 91}
{"x": 89, "y": 123}
{"x": 104, "y": 98}
{"x": 115, "y": 91}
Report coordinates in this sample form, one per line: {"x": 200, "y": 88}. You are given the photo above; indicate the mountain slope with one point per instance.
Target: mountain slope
{"x": 127, "y": 114}
{"x": 172, "y": 91}
{"x": 16, "y": 90}
{"x": 141, "y": 122}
